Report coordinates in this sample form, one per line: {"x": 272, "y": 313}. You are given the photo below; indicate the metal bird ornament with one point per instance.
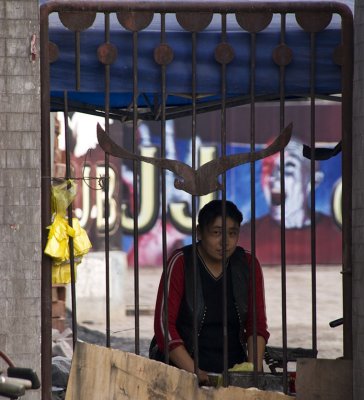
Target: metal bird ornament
{"x": 204, "y": 180}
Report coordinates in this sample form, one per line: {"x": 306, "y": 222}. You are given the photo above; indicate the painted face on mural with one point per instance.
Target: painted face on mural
{"x": 297, "y": 185}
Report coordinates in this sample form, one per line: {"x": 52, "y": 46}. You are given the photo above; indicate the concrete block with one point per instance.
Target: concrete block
{"x": 26, "y": 269}
{"x": 23, "y": 103}
{"x": 30, "y": 361}
{"x": 20, "y": 178}
{"x": 26, "y": 196}
{"x": 22, "y": 159}
{"x": 31, "y": 232}
{"x": 20, "y": 9}
{"x": 6, "y": 234}
{"x": 15, "y": 215}
{"x": 2, "y": 65}
{"x": 90, "y": 286}
{"x": 23, "y": 122}
{"x": 26, "y": 289}
{"x": 3, "y": 122}
{"x": 23, "y": 344}
{"x": 16, "y": 28}
{"x": 324, "y": 379}
{"x": 30, "y": 307}
{"x": 3, "y": 284}
{"x": 3, "y": 196}
{"x": 31, "y": 140}
{"x": 17, "y": 47}
{"x": 358, "y": 253}
{"x": 19, "y": 325}
{"x": 2, "y": 158}
{"x": 3, "y": 28}
{"x": 33, "y": 215}
{"x": 30, "y": 251}
{"x": 20, "y": 67}
{"x": 20, "y": 85}
{"x": 2, "y": 47}
{"x": 358, "y": 199}
{"x": 7, "y": 251}
{"x": 2, "y": 9}
{"x": 358, "y": 234}
{"x": 2, "y": 85}
{"x": 3, "y": 339}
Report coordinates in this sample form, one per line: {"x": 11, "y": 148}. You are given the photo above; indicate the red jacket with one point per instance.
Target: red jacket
{"x": 176, "y": 281}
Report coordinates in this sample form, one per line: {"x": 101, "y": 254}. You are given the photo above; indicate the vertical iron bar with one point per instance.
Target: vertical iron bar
{"x": 77, "y": 58}
{"x": 223, "y": 214}
{"x": 46, "y": 277}
{"x": 193, "y": 199}
{"x": 106, "y": 187}
{"x": 347, "y": 109}
{"x": 135, "y": 191}
{"x": 313, "y": 197}
{"x": 252, "y": 189}
{"x": 71, "y": 247}
{"x": 283, "y": 214}
{"x": 164, "y": 200}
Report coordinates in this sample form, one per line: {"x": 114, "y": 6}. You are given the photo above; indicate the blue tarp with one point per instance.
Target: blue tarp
{"x": 178, "y": 78}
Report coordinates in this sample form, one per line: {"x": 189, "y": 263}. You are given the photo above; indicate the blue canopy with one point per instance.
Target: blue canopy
{"x": 178, "y": 73}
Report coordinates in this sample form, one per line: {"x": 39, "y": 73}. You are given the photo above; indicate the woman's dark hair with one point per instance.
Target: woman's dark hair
{"x": 213, "y": 209}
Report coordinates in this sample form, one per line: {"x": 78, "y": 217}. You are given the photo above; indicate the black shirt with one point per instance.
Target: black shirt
{"x": 211, "y": 337}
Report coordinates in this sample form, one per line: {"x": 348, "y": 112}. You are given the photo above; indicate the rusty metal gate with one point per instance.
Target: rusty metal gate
{"x": 251, "y": 18}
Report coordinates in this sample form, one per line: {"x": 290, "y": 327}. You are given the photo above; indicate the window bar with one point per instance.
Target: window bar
{"x": 46, "y": 269}
{"x": 283, "y": 213}
{"x": 347, "y": 105}
{"x": 135, "y": 192}
{"x": 106, "y": 187}
{"x": 253, "y": 197}
{"x": 77, "y": 58}
{"x": 223, "y": 214}
{"x": 69, "y": 212}
{"x": 193, "y": 200}
{"x": 313, "y": 197}
{"x": 163, "y": 187}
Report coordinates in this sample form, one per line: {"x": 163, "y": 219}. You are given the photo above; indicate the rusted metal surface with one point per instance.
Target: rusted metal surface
{"x": 224, "y": 53}
{"x": 107, "y": 53}
{"x": 46, "y": 276}
{"x": 134, "y": 21}
{"x": 203, "y": 180}
{"x": 163, "y": 55}
{"x": 69, "y": 214}
{"x": 338, "y": 55}
{"x": 313, "y": 22}
{"x": 281, "y": 61}
{"x": 53, "y": 52}
{"x": 195, "y": 17}
{"x": 110, "y": 58}
{"x": 194, "y": 22}
{"x": 77, "y": 21}
{"x": 254, "y": 22}
{"x": 347, "y": 110}
{"x": 282, "y": 55}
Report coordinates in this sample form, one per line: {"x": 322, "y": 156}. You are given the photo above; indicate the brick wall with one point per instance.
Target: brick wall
{"x": 20, "y": 241}
{"x": 358, "y": 204}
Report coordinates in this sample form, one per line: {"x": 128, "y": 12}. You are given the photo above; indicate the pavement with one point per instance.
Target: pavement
{"x": 299, "y": 309}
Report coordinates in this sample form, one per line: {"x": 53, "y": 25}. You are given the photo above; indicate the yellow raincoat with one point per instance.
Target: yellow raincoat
{"x": 60, "y": 231}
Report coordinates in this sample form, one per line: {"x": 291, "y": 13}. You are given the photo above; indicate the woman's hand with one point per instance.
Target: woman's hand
{"x": 203, "y": 379}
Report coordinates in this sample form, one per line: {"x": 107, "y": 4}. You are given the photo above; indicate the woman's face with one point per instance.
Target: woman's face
{"x": 211, "y": 240}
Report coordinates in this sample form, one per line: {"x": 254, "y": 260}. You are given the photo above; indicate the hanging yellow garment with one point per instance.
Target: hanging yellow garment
{"x": 60, "y": 231}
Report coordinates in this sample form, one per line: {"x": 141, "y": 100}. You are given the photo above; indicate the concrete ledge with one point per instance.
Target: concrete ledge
{"x": 324, "y": 379}
{"x": 103, "y": 373}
